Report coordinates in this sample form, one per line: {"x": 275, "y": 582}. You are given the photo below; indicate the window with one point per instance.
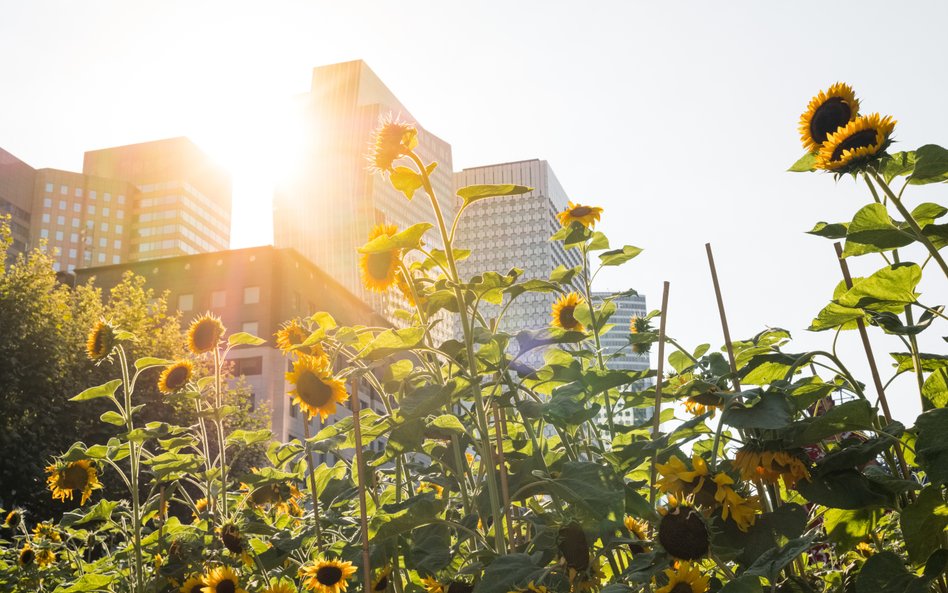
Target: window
{"x": 62, "y": 204}
{"x": 75, "y": 223}
{"x": 218, "y": 299}
{"x": 118, "y": 229}
{"x": 104, "y": 227}
{"x": 63, "y": 190}
{"x": 47, "y": 202}
{"x": 74, "y": 237}
{"x": 107, "y": 197}
{"x": 249, "y": 366}
{"x": 91, "y": 209}
{"x": 186, "y": 302}
{"x": 77, "y": 207}
{"x": 60, "y": 220}
{"x": 70, "y": 267}
{"x": 105, "y": 212}
{"x": 72, "y": 254}
{"x": 120, "y": 213}
{"x": 49, "y": 188}
{"x": 46, "y": 218}
{"x": 78, "y": 192}
{"x": 92, "y": 195}
{"x": 56, "y": 268}
{"x": 251, "y": 327}
{"x": 115, "y": 259}
{"x": 44, "y": 233}
{"x": 59, "y": 235}
{"x": 103, "y": 242}
{"x": 251, "y": 295}
{"x": 121, "y": 199}
{"x": 101, "y": 258}
{"x": 117, "y": 244}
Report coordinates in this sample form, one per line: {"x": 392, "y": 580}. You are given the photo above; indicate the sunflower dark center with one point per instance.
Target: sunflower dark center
{"x": 567, "y": 319}
{"x": 329, "y": 575}
{"x": 382, "y": 584}
{"x": 459, "y": 587}
{"x": 681, "y": 588}
{"x": 75, "y": 477}
{"x": 227, "y": 586}
{"x": 99, "y": 342}
{"x": 197, "y": 588}
{"x": 379, "y": 264}
{"x": 683, "y": 535}
{"x": 177, "y": 378}
{"x": 205, "y": 335}
{"x": 27, "y": 556}
{"x": 574, "y": 547}
{"x": 312, "y": 390}
{"x": 829, "y": 117}
{"x": 860, "y": 139}
{"x": 580, "y": 211}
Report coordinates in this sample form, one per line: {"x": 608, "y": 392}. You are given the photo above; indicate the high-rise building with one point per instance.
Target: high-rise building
{"x": 619, "y": 354}
{"x": 327, "y": 208}
{"x": 183, "y": 204}
{"x": 514, "y": 231}
{"x": 16, "y": 200}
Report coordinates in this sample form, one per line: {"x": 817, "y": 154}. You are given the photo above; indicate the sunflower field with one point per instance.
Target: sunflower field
{"x": 760, "y": 468}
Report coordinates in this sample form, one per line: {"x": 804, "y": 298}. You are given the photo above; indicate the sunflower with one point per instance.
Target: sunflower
{"x": 742, "y": 511}
{"x": 431, "y": 487}
{"x": 378, "y": 269}
{"x": 101, "y": 341}
{"x": 291, "y": 335}
{"x": 76, "y": 476}
{"x": 327, "y": 576}
{"x": 432, "y": 585}
{"x": 587, "y": 216}
{"x": 864, "y": 549}
{"x": 381, "y": 581}
{"x": 683, "y": 533}
{"x": 586, "y": 580}
{"x": 393, "y": 139}
{"x": 316, "y": 390}
{"x": 684, "y": 578}
{"x": 754, "y": 461}
{"x": 281, "y": 586}
{"x": 827, "y": 112}
{"x": 638, "y": 529}
{"x": 277, "y": 495}
{"x": 175, "y": 377}
{"x": 677, "y": 479}
{"x": 45, "y": 557}
{"x": 26, "y": 556}
{"x": 230, "y": 537}
{"x": 13, "y": 519}
{"x": 851, "y": 147}
{"x": 194, "y": 584}
{"x": 406, "y": 286}
{"x": 574, "y": 547}
{"x": 204, "y": 333}
{"x": 563, "y": 312}
{"x": 221, "y": 580}
{"x": 200, "y": 505}
{"x": 46, "y": 531}
{"x": 639, "y": 325}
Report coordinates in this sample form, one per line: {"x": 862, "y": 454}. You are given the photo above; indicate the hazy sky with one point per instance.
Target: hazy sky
{"x": 679, "y": 118}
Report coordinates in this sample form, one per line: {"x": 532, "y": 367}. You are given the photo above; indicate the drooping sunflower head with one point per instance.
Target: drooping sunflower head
{"x": 45, "y": 557}
{"x": 381, "y": 581}
{"x": 292, "y": 335}
{"x": 640, "y": 325}
{"x": 200, "y": 505}
{"x": 858, "y": 143}
{"x": 432, "y": 585}
{"x": 683, "y": 533}
{"x": 379, "y": 268}
{"x": 827, "y": 112}
{"x": 221, "y": 580}
{"x": 65, "y": 479}
{"x": 573, "y": 546}
{"x": 315, "y": 389}
{"x": 392, "y": 139}
{"x": 175, "y": 377}
{"x": 438, "y": 489}
{"x": 743, "y": 511}
{"x": 13, "y": 519}
{"x": 587, "y": 216}
{"x": 563, "y": 312}
{"x": 327, "y": 576}
{"x": 204, "y": 333}
{"x": 638, "y": 529}
{"x": 27, "y": 556}
{"x": 230, "y": 537}
{"x": 46, "y": 531}
{"x": 685, "y": 578}
{"x": 101, "y": 341}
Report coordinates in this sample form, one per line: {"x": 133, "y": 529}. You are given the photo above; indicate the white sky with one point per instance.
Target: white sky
{"x": 679, "y": 118}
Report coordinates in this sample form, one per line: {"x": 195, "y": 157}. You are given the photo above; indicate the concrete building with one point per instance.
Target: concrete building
{"x": 503, "y": 233}
{"x": 16, "y": 200}
{"x": 327, "y": 208}
{"x": 619, "y": 355}
{"x": 253, "y": 290}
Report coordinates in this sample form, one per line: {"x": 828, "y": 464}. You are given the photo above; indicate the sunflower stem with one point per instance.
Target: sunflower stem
{"x": 133, "y": 473}
{"x": 479, "y": 406}
{"x": 312, "y": 480}
{"x": 919, "y": 234}
{"x": 363, "y": 512}
{"x": 587, "y": 285}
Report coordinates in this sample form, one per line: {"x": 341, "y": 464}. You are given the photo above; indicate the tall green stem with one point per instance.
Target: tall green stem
{"x": 219, "y": 422}
{"x": 133, "y": 456}
{"x": 587, "y": 284}
{"x": 486, "y": 447}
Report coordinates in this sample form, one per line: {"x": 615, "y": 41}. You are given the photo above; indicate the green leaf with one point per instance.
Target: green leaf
{"x": 599, "y": 241}
{"x": 931, "y": 447}
{"x": 244, "y": 339}
{"x": 848, "y": 527}
{"x": 430, "y": 549}
{"x": 892, "y": 286}
{"x": 512, "y": 572}
{"x": 770, "y": 411}
{"x": 835, "y": 230}
{"x": 847, "y": 489}
{"x": 407, "y": 239}
{"x": 406, "y": 181}
{"x": 742, "y": 584}
{"x": 805, "y": 163}
{"x": 617, "y": 257}
{"x": 930, "y": 362}
{"x": 87, "y": 583}
{"x": 391, "y": 341}
{"x": 927, "y": 212}
{"x": 931, "y": 165}
{"x": 923, "y": 523}
{"x": 473, "y": 193}
{"x": 572, "y": 234}
{"x": 372, "y": 425}
{"x": 106, "y": 390}
{"x": 592, "y": 487}
{"x": 850, "y": 416}
{"x": 772, "y": 561}
{"x": 886, "y": 573}
{"x": 112, "y": 417}
{"x": 896, "y": 165}
{"x": 148, "y": 361}
{"x": 324, "y": 320}
{"x": 935, "y": 389}
{"x": 563, "y": 275}
{"x": 450, "y": 423}
{"x": 872, "y": 230}
{"x": 249, "y": 437}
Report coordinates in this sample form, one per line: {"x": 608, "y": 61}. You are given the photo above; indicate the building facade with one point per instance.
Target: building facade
{"x": 16, "y": 201}
{"x": 253, "y": 290}
{"x": 327, "y": 208}
{"x": 514, "y": 231}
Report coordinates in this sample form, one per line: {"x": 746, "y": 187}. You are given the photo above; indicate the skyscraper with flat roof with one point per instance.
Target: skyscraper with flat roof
{"x": 183, "y": 203}
{"x": 327, "y": 208}
{"x": 514, "y": 231}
